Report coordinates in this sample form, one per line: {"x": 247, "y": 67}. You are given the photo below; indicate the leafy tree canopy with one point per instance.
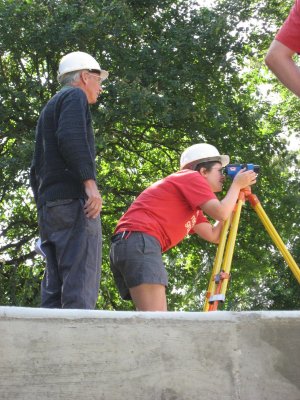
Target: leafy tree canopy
{"x": 179, "y": 74}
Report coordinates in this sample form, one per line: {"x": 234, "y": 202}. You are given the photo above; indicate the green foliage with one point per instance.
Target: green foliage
{"x": 179, "y": 74}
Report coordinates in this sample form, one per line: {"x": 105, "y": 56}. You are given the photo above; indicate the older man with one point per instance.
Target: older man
{"x": 63, "y": 180}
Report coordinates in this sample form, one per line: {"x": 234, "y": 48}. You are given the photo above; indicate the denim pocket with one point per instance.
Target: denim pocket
{"x": 61, "y": 214}
{"x": 55, "y": 203}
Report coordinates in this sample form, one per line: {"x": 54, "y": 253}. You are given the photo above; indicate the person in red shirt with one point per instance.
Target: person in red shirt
{"x": 163, "y": 214}
{"x": 280, "y": 54}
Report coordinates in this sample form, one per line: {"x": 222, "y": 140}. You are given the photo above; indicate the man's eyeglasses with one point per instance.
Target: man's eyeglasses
{"x": 99, "y": 80}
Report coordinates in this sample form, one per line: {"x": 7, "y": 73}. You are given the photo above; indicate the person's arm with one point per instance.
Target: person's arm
{"x": 221, "y": 210}
{"x": 280, "y": 61}
{"x": 208, "y": 232}
{"x": 75, "y": 150}
{"x": 72, "y": 135}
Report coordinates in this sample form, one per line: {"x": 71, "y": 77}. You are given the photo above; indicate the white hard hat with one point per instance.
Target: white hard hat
{"x": 77, "y": 61}
{"x": 202, "y": 152}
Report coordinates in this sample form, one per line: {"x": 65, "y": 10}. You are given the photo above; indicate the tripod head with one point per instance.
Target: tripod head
{"x": 232, "y": 169}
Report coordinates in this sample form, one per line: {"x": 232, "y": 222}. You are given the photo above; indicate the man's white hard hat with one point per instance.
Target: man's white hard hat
{"x": 202, "y": 152}
{"x": 78, "y": 61}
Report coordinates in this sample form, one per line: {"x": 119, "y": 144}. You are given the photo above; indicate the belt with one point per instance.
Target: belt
{"x": 120, "y": 236}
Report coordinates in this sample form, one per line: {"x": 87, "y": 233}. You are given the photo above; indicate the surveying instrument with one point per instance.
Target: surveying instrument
{"x": 221, "y": 268}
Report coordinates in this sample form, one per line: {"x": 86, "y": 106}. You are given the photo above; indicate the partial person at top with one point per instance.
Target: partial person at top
{"x": 282, "y": 50}
{"x": 63, "y": 180}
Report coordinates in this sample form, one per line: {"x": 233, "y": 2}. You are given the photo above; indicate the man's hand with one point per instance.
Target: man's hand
{"x": 93, "y": 205}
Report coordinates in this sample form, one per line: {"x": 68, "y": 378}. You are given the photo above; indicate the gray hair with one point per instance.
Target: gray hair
{"x": 69, "y": 78}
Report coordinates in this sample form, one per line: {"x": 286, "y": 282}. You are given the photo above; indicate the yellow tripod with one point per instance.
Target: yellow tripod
{"x": 221, "y": 268}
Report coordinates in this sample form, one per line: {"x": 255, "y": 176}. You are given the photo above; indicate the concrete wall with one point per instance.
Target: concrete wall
{"x": 86, "y": 355}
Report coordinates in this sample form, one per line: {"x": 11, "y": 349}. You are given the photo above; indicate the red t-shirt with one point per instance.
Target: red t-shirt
{"x": 169, "y": 208}
{"x": 289, "y": 33}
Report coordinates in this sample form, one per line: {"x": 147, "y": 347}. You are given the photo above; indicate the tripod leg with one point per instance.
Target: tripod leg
{"x": 217, "y": 292}
{"x": 277, "y": 239}
{"x": 217, "y": 263}
{"x": 231, "y": 243}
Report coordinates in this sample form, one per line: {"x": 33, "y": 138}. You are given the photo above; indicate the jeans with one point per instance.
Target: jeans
{"x": 72, "y": 244}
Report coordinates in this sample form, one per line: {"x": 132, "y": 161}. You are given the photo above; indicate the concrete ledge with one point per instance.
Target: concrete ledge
{"x": 77, "y": 354}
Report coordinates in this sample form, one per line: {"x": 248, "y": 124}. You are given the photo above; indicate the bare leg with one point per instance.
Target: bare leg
{"x": 149, "y": 297}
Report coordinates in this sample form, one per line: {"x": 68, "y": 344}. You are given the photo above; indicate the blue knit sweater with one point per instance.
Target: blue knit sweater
{"x": 64, "y": 154}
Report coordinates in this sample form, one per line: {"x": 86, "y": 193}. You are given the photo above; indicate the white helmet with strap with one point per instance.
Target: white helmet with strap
{"x": 202, "y": 152}
{"x": 78, "y": 61}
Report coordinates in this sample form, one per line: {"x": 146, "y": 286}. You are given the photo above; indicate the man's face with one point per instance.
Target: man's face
{"x": 215, "y": 177}
{"x": 92, "y": 86}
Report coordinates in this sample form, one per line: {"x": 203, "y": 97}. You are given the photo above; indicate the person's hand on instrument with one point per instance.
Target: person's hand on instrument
{"x": 245, "y": 178}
